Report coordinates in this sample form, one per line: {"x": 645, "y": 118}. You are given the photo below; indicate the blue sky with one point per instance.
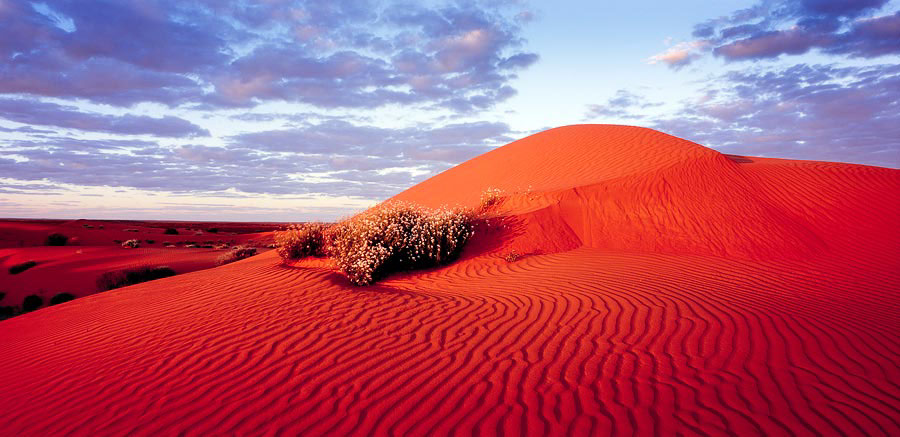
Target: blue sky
{"x": 290, "y": 110}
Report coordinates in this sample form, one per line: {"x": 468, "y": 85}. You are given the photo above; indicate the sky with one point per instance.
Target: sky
{"x": 287, "y": 110}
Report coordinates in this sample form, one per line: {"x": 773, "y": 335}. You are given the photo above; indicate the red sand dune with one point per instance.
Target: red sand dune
{"x": 666, "y": 288}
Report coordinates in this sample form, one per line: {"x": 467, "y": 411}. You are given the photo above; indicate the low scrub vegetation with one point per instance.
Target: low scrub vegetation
{"x": 491, "y": 197}
{"x": 388, "y": 238}
{"x": 61, "y": 297}
{"x": 122, "y": 278}
{"x": 131, "y": 244}
{"x": 512, "y": 256}
{"x": 300, "y": 241}
{"x": 21, "y": 267}
{"x": 56, "y": 239}
{"x": 236, "y": 254}
{"x": 170, "y": 231}
{"x": 31, "y": 303}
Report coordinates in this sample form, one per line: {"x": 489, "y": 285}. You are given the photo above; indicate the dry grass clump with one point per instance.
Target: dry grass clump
{"x": 396, "y": 237}
{"x": 236, "y": 254}
{"x": 300, "y": 241}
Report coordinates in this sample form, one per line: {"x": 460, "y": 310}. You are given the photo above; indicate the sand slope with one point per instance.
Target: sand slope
{"x": 669, "y": 288}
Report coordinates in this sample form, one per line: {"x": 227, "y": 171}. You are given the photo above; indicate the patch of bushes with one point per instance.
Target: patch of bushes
{"x": 31, "y": 303}
{"x": 397, "y": 237}
{"x": 131, "y": 230}
{"x": 491, "y": 197}
{"x": 170, "y": 231}
{"x": 61, "y": 297}
{"x": 19, "y": 268}
{"x": 237, "y": 254}
{"x": 7, "y": 312}
{"x": 150, "y": 241}
{"x": 300, "y": 241}
{"x": 122, "y": 278}
{"x": 131, "y": 244}
{"x": 56, "y": 239}
{"x": 213, "y": 230}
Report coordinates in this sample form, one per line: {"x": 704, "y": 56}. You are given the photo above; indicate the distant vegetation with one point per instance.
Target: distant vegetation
{"x": 122, "y": 278}
{"x": 171, "y": 231}
{"x": 19, "y": 268}
{"x": 56, "y": 239}
{"x": 31, "y": 303}
{"x": 236, "y": 254}
{"x": 61, "y": 297}
{"x": 388, "y": 238}
{"x": 131, "y": 244}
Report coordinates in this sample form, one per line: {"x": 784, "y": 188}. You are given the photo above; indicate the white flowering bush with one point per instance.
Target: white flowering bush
{"x": 395, "y": 237}
{"x": 300, "y": 241}
{"x": 131, "y": 244}
{"x": 490, "y": 197}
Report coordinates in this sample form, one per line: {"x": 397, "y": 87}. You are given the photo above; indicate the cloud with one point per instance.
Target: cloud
{"x": 679, "y": 55}
{"x": 624, "y": 104}
{"x": 771, "y": 29}
{"x": 341, "y": 54}
{"x": 33, "y": 112}
{"x": 818, "y": 112}
{"x": 330, "y": 158}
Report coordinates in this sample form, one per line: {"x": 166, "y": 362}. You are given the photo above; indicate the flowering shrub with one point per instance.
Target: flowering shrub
{"x": 131, "y": 244}
{"x": 490, "y": 197}
{"x": 512, "y": 256}
{"x": 300, "y": 241}
{"x": 237, "y": 254}
{"x": 397, "y": 236}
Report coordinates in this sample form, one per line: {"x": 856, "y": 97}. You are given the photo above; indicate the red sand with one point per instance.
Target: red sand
{"x": 667, "y": 289}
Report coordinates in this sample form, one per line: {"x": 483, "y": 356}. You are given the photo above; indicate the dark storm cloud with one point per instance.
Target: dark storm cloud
{"x": 50, "y": 114}
{"x": 773, "y": 28}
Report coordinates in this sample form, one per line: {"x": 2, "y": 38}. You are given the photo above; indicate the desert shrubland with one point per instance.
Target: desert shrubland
{"x": 131, "y": 244}
{"x": 236, "y": 254}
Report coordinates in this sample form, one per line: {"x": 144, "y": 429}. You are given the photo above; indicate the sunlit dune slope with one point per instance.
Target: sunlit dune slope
{"x": 665, "y": 289}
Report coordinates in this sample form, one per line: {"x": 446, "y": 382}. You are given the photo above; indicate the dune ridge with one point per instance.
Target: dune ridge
{"x": 665, "y": 288}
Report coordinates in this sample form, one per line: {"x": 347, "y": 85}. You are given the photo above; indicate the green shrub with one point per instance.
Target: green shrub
{"x": 61, "y": 297}
{"x": 19, "y": 268}
{"x": 397, "y": 237}
{"x": 31, "y": 303}
{"x": 56, "y": 239}
{"x": 122, "y": 278}
{"x": 170, "y": 231}
{"x": 237, "y": 254}
{"x": 300, "y": 241}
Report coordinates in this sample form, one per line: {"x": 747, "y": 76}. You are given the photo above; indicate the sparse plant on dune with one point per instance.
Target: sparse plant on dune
{"x": 121, "y": 278}
{"x": 512, "y": 256}
{"x": 21, "y": 267}
{"x": 300, "y": 241}
{"x": 131, "y": 244}
{"x": 170, "y": 231}
{"x": 237, "y": 254}
{"x": 31, "y": 303}
{"x": 490, "y": 198}
{"x": 56, "y": 239}
{"x": 396, "y": 237}
{"x": 61, "y": 297}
